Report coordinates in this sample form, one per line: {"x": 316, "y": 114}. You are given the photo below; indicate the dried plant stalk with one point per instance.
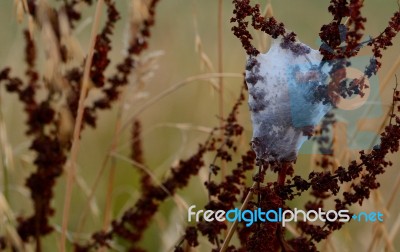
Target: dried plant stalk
{"x": 71, "y": 164}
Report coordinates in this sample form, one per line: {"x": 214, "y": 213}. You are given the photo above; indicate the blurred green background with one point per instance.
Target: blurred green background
{"x": 195, "y": 104}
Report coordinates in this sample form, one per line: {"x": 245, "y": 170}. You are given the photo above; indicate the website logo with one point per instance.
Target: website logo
{"x": 249, "y": 217}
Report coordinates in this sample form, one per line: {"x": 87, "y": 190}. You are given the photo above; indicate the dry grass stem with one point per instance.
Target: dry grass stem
{"x": 176, "y": 166}
{"x": 143, "y": 168}
{"x": 110, "y": 185}
{"x": 8, "y": 224}
{"x": 393, "y": 234}
{"x": 71, "y": 164}
{"x": 90, "y": 197}
{"x": 175, "y": 87}
{"x": 394, "y": 193}
{"x": 205, "y": 61}
{"x": 264, "y": 40}
{"x": 220, "y": 58}
{"x": 233, "y": 227}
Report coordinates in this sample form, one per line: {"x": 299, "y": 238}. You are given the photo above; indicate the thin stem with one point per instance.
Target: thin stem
{"x": 37, "y": 227}
{"x": 259, "y": 192}
{"x": 347, "y": 21}
{"x": 71, "y": 164}
{"x": 221, "y": 80}
{"x": 107, "y": 211}
{"x": 394, "y": 101}
{"x": 282, "y": 173}
{"x": 4, "y": 146}
{"x": 393, "y": 194}
{"x": 234, "y": 225}
{"x": 110, "y": 186}
{"x": 210, "y": 171}
{"x": 175, "y": 87}
{"x": 82, "y": 218}
{"x": 220, "y": 60}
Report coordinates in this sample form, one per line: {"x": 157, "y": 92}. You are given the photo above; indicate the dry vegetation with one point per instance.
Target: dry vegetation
{"x": 99, "y": 152}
